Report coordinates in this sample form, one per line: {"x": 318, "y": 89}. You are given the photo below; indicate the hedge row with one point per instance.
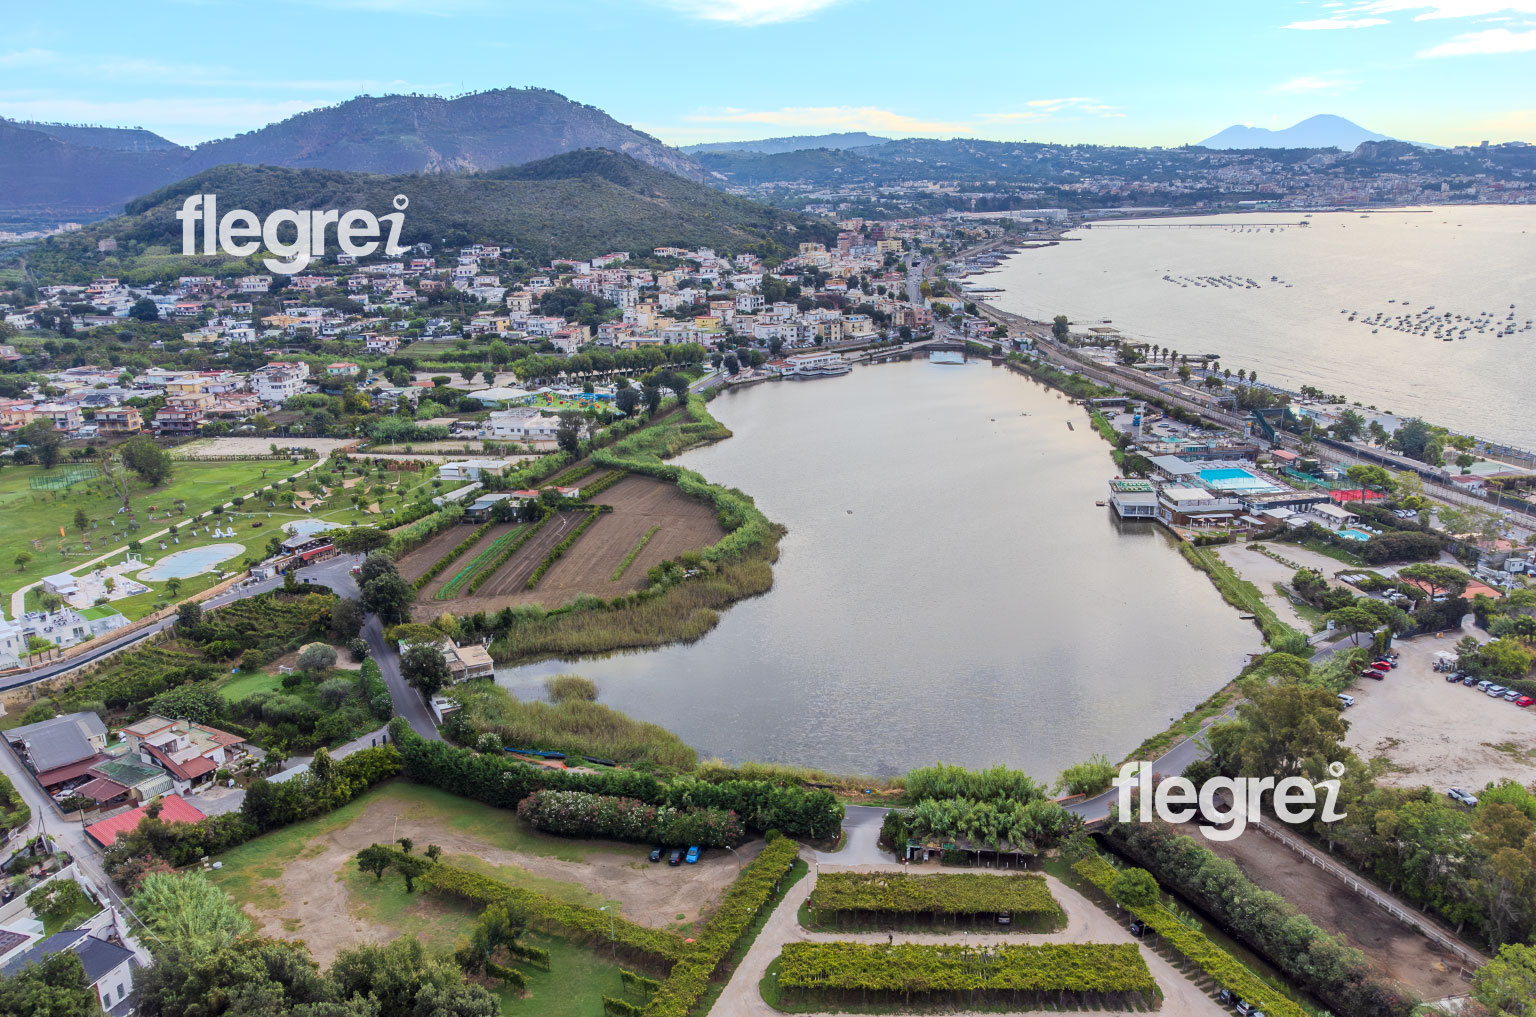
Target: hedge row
{"x": 376, "y": 690}
{"x": 580, "y": 814}
{"x": 507, "y": 551}
{"x": 452, "y": 556}
{"x": 556, "y": 552}
{"x": 1025, "y": 894}
{"x": 689, "y": 978}
{"x": 1194, "y": 946}
{"x": 498, "y": 780}
{"x": 404, "y": 539}
{"x": 572, "y": 920}
{"x": 1056, "y": 973}
{"x": 602, "y": 484}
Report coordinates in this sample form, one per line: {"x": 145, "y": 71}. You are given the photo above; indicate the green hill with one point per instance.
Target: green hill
{"x": 576, "y": 205}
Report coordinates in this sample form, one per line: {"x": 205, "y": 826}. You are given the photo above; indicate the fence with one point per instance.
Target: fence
{"x": 1470, "y": 960}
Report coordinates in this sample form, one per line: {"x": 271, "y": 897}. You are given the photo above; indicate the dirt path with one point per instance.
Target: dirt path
{"x": 1264, "y": 572}
{"x": 1086, "y": 923}
{"x": 316, "y": 906}
{"x": 1395, "y": 949}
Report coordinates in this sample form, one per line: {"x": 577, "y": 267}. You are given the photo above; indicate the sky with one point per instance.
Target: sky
{"x": 1104, "y": 71}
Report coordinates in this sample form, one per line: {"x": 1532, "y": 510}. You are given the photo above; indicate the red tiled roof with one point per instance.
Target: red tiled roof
{"x": 60, "y": 774}
{"x": 192, "y": 768}
{"x": 174, "y": 809}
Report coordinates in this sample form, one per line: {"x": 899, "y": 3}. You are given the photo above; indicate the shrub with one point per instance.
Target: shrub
{"x": 565, "y": 687}
{"x": 317, "y": 657}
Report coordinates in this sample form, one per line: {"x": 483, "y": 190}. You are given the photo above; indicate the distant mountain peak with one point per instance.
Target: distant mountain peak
{"x": 1325, "y": 130}
{"x": 794, "y": 143}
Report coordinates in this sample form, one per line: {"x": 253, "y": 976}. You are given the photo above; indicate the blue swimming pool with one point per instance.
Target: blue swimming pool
{"x": 1234, "y": 479}
{"x": 1354, "y": 535}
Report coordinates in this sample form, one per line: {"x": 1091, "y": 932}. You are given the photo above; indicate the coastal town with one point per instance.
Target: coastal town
{"x": 919, "y": 531}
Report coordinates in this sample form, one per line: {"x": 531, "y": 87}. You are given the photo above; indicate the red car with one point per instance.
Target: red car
{"x": 1382, "y": 666}
{"x": 1372, "y": 673}
{"x": 1524, "y": 701}
{"x": 1384, "y": 663}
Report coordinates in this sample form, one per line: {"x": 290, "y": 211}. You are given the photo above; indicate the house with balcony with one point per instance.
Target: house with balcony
{"x": 189, "y": 752}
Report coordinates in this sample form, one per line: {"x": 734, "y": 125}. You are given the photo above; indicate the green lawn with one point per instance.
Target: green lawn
{"x": 202, "y": 485}
{"x": 247, "y": 683}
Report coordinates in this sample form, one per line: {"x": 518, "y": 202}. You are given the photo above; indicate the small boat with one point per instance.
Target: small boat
{"x": 1100, "y": 504}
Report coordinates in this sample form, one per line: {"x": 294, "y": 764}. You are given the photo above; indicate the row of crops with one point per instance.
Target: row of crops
{"x": 895, "y": 899}
{"x": 493, "y": 553}
{"x": 1046, "y": 976}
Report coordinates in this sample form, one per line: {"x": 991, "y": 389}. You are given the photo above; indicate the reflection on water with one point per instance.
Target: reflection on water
{"x": 947, "y": 589}
{"x": 1459, "y": 261}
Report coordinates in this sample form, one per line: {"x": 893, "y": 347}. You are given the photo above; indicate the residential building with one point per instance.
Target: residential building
{"x": 108, "y": 964}
{"x": 188, "y": 751}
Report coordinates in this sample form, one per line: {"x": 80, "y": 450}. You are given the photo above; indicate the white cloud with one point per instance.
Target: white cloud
{"x": 1046, "y": 109}
{"x": 749, "y": 12}
{"x": 1492, "y": 40}
{"x": 1326, "y": 24}
{"x": 27, "y": 58}
{"x": 841, "y": 118}
{"x": 1307, "y": 83}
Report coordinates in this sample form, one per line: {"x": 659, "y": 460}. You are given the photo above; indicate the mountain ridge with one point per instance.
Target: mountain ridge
{"x": 793, "y": 143}
{"x": 1325, "y": 130}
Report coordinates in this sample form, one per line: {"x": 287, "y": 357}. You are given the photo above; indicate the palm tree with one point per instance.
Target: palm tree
{"x": 173, "y": 586}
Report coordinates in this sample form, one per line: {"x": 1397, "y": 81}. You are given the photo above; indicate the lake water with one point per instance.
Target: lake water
{"x": 947, "y": 590}
{"x": 1460, "y": 260}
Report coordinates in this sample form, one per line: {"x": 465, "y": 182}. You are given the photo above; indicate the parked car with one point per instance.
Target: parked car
{"x": 1385, "y": 662}
{"x": 1495, "y": 691}
{"x": 1465, "y": 797}
{"x": 1347, "y": 700}
{"x": 693, "y": 855}
{"x": 1511, "y": 695}
{"x": 1524, "y": 701}
{"x": 1470, "y": 679}
{"x": 656, "y": 853}
{"x": 1226, "y": 997}
{"x": 1138, "y": 928}
{"x": 1371, "y": 672}
{"x": 1244, "y": 1008}
{"x": 676, "y": 857}
{"x": 1483, "y": 685}
{"x": 1005, "y": 918}
{"x": 1453, "y": 677}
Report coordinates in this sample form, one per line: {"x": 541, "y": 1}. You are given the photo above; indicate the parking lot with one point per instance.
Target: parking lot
{"x": 1436, "y": 732}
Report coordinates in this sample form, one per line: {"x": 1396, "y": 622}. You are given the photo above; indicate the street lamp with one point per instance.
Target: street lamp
{"x": 737, "y": 854}
{"x": 611, "y": 941}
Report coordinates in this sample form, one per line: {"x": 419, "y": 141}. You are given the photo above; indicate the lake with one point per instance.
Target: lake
{"x": 947, "y": 589}
{"x": 1462, "y": 261}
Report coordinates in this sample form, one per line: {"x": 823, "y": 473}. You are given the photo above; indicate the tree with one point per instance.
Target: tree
{"x": 1412, "y": 439}
{"x": 1349, "y": 426}
{"x": 144, "y": 309}
{"x": 424, "y": 667}
{"x": 652, "y": 400}
{"x": 1282, "y": 730}
{"x": 1508, "y": 982}
{"x": 347, "y": 618}
{"x": 626, "y": 399}
{"x": 390, "y": 597}
{"x": 82, "y": 522}
{"x": 58, "y": 899}
{"x": 173, "y": 587}
{"x": 375, "y": 858}
{"x": 1134, "y": 888}
{"x": 1370, "y": 476}
{"x": 1436, "y": 579}
{"x": 42, "y": 441}
{"x": 568, "y": 434}
{"x": 151, "y": 463}
{"x": 23, "y": 560}
{"x": 317, "y": 657}
{"x": 411, "y": 868}
{"x": 189, "y": 615}
{"x": 359, "y": 539}
{"x": 53, "y": 987}
{"x": 1504, "y": 658}
{"x": 188, "y": 913}
{"x": 1087, "y": 778}
{"x": 1353, "y": 620}
{"x": 376, "y": 565}
{"x": 1060, "y": 326}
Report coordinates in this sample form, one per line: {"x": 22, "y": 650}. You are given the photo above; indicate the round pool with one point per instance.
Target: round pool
{"x": 305, "y": 527}
{"x": 194, "y": 561}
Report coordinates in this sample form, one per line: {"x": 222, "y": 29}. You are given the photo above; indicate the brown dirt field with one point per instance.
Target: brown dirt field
{"x": 514, "y": 572}
{"x": 424, "y": 557}
{"x": 1396, "y": 950}
{"x": 444, "y": 577}
{"x": 316, "y": 901}
{"x": 639, "y": 503}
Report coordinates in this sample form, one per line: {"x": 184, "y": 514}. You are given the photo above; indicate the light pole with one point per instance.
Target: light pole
{"x": 611, "y": 941}
{"x": 738, "y": 857}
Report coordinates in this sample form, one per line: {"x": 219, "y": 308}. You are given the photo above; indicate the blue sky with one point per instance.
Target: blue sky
{"x": 1131, "y": 71}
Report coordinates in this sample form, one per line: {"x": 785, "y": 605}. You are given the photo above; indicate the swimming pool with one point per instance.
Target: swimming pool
{"x": 1233, "y": 479}
{"x": 194, "y": 561}
{"x": 1354, "y": 535}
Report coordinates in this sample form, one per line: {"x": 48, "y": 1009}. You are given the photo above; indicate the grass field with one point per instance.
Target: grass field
{"x": 201, "y": 486}
{"x": 248, "y": 683}
{"x": 340, "y": 896}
